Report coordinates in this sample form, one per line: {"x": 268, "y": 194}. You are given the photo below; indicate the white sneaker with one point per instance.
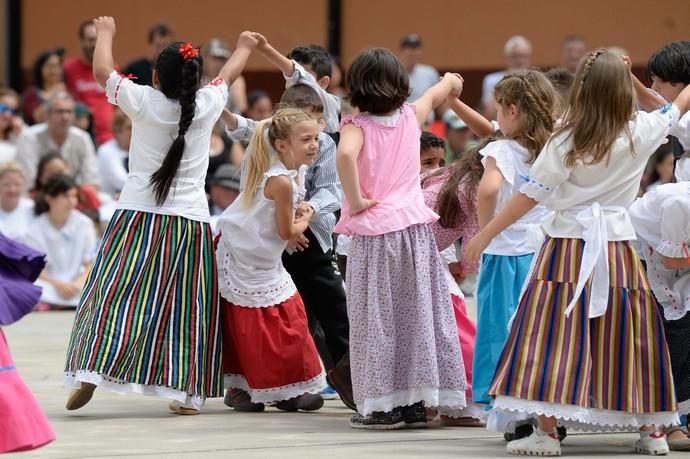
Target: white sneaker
{"x": 536, "y": 445}
{"x": 653, "y": 445}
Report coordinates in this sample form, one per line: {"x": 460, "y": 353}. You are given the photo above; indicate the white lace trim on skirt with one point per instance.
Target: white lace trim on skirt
{"x": 449, "y": 402}
{"x": 104, "y": 382}
{"x": 276, "y": 394}
{"x": 581, "y": 418}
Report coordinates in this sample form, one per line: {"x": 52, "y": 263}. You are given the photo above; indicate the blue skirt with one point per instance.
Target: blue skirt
{"x": 501, "y": 278}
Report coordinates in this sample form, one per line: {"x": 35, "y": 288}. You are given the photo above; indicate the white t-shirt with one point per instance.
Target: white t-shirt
{"x": 67, "y": 250}
{"x": 155, "y": 121}
{"x": 662, "y": 222}
{"x": 250, "y": 270}
{"x": 7, "y": 151}
{"x": 111, "y": 167}
{"x": 14, "y": 224}
{"x": 521, "y": 238}
{"x": 614, "y": 186}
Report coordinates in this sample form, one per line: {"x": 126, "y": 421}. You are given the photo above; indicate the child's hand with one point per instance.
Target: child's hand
{"x": 456, "y": 82}
{"x": 300, "y": 243}
{"x": 247, "y": 40}
{"x": 304, "y": 213}
{"x": 362, "y": 206}
{"x": 475, "y": 248}
{"x": 262, "y": 41}
{"x": 104, "y": 24}
{"x": 628, "y": 61}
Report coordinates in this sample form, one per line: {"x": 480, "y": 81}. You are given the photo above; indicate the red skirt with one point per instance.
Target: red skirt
{"x": 269, "y": 351}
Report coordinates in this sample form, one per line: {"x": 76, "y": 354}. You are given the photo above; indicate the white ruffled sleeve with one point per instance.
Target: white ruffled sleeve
{"x": 548, "y": 172}
{"x": 675, "y": 228}
{"x": 501, "y": 154}
{"x": 127, "y": 95}
{"x": 649, "y": 130}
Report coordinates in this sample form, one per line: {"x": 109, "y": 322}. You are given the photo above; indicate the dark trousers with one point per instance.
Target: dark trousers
{"x": 321, "y": 289}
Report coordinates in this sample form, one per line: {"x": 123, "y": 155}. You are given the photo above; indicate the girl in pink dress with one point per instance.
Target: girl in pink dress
{"x": 23, "y": 425}
{"x": 404, "y": 346}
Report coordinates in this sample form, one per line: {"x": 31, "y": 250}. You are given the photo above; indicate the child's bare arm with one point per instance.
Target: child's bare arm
{"x": 103, "y": 63}
{"x": 480, "y": 126}
{"x": 487, "y": 192}
{"x": 283, "y": 64}
{"x": 351, "y": 141}
{"x": 279, "y": 189}
{"x": 433, "y": 97}
{"x": 234, "y": 66}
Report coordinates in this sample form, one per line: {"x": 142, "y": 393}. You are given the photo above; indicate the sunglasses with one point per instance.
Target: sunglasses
{"x": 7, "y": 109}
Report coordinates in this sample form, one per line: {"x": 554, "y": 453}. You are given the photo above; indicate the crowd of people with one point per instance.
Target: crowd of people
{"x": 214, "y": 244}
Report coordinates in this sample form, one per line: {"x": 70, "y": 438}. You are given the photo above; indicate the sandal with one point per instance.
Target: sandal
{"x": 181, "y": 410}
{"x": 681, "y": 444}
{"x": 80, "y": 397}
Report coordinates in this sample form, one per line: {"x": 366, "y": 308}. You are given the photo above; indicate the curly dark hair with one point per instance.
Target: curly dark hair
{"x": 429, "y": 140}
{"x": 314, "y": 56}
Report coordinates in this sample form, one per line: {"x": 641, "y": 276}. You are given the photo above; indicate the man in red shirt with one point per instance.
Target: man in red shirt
{"x": 84, "y": 87}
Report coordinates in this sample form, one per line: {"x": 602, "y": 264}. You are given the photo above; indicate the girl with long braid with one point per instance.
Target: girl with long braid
{"x": 586, "y": 347}
{"x": 148, "y": 320}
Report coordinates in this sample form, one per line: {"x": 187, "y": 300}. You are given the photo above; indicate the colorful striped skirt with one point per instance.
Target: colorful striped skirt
{"x": 608, "y": 373}
{"x": 148, "y": 320}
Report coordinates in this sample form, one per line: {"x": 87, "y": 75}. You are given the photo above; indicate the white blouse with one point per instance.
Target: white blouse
{"x": 250, "y": 270}
{"x": 522, "y": 237}
{"x": 591, "y": 200}
{"x": 155, "y": 120}
{"x": 15, "y": 223}
{"x": 67, "y": 250}
{"x": 662, "y": 222}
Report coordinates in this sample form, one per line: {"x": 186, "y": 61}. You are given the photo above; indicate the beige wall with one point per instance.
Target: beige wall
{"x": 463, "y": 34}
{"x": 50, "y": 23}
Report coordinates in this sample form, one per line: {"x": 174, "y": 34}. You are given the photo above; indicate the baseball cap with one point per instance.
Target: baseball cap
{"x": 452, "y": 121}
{"x": 228, "y": 176}
{"x": 217, "y": 48}
{"x": 412, "y": 40}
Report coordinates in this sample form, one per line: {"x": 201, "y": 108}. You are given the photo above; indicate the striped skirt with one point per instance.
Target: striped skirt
{"x": 608, "y": 373}
{"x": 148, "y": 320}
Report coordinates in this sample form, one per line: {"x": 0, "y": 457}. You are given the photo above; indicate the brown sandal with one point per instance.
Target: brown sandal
{"x": 677, "y": 445}
{"x": 80, "y": 397}
{"x": 181, "y": 410}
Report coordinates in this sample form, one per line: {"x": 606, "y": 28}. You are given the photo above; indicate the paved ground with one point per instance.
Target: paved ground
{"x": 114, "y": 426}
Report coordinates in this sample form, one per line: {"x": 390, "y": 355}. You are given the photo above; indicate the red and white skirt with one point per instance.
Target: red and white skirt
{"x": 269, "y": 352}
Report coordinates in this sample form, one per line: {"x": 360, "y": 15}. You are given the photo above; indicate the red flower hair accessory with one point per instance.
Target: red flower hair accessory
{"x": 188, "y": 51}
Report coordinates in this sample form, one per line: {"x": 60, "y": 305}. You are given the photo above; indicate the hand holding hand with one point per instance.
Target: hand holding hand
{"x": 262, "y": 42}
{"x": 247, "y": 40}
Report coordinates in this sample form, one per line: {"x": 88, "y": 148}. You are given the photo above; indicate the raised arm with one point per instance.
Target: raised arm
{"x": 451, "y": 83}
{"x": 103, "y": 63}
{"x": 480, "y": 126}
{"x": 283, "y": 64}
{"x": 234, "y": 66}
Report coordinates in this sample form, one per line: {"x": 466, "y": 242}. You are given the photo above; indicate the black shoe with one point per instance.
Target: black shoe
{"x": 378, "y": 420}
{"x": 562, "y": 433}
{"x": 239, "y": 400}
{"x": 414, "y": 416}
{"x": 305, "y": 402}
{"x": 521, "y": 431}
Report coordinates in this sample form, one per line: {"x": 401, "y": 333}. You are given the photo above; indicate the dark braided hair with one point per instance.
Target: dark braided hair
{"x": 179, "y": 80}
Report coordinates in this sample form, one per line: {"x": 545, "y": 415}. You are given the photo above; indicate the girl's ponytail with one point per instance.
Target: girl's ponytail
{"x": 259, "y": 160}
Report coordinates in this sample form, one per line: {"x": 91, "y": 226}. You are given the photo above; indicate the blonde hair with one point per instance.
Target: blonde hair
{"x": 602, "y": 101}
{"x": 534, "y": 95}
{"x": 11, "y": 167}
{"x": 259, "y": 151}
